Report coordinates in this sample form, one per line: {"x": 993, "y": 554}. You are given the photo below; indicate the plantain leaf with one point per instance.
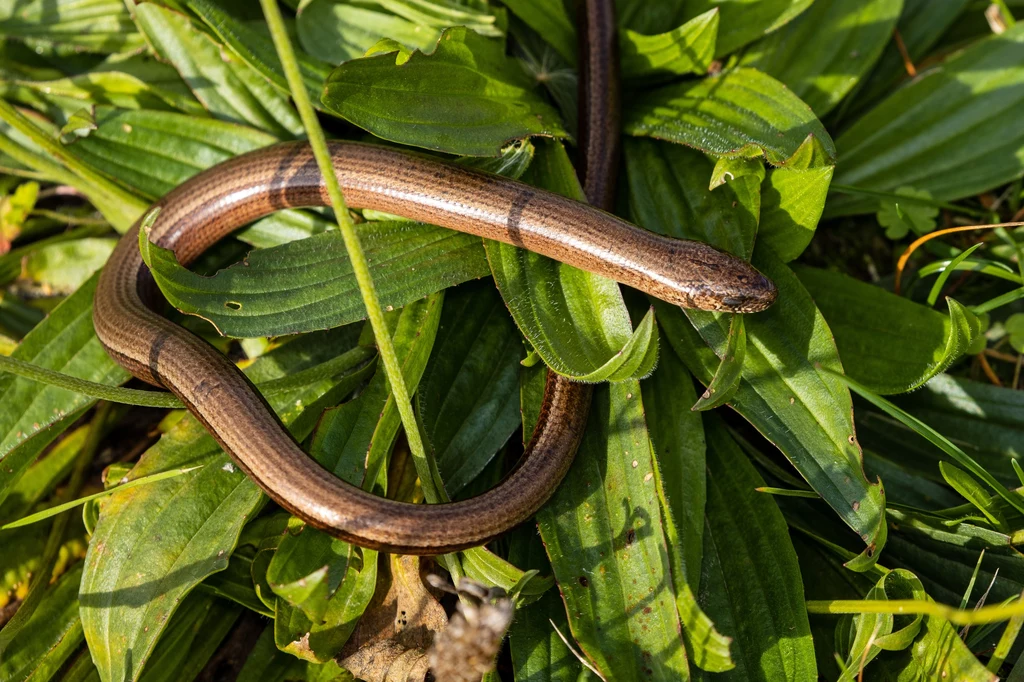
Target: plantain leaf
{"x": 888, "y": 343}
{"x": 257, "y": 49}
{"x": 610, "y": 553}
{"x": 467, "y": 97}
{"x": 822, "y": 54}
{"x": 338, "y": 31}
{"x": 686, "y": 49}
{"x": 93, "y": 25}
{"x": 226, "y": 85}
{"x": 551, "y": 21}
{"x": 741, "y": 112}
{"x": 913, "y": 137}
{"x": 751, "y": 582}
{"x": 50, "y": 636}
{"x": 308, "y": 284}
{"x": 744, "y": 22}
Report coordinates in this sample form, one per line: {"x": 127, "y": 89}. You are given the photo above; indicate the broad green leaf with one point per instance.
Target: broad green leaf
{"x": 538, "y": 652}
{"x": 684, "y": 50}
{"x": 677, "y": 436}
{"x": 751, "y": 583}
{"x": 792, "y": 202}
{"x": 338, "y": 31}
{"x": 157, "y": 542}
{"x": 917, "y": 136}
{"x": 467, "y": 97}
{"x": 53, "y": 633}
{"x": 468, "y": 401}
{"x": 152, "y": 152}
{"x": 551, "y": 21}
{"x": 575, "y": 320}
{"x": 747, "y": 20}
{"x": 228, "y": 87}
{"x": 257, "y": 49}
{"x": 475, "y": 16}
{"x": 126, "y": 81}
{"x": 90, "y": 25}
{"x": 308, "y": 284}
{"x": 64, "y": 341}
{"x": 887, "y": 342}
{"x": 668, "y": 187}
{"x": 824, "y": 52}
{"x": 741, "y": 112}
{"x": 604, "y": 535}
{"x": 64, "y": 267}
{"x": 805, "y": 411}
{"x": 193, "y": 635}
{"x": 489, "y": 569}
{"x": 921, "y": 24}
{"x": 650, "y": 18}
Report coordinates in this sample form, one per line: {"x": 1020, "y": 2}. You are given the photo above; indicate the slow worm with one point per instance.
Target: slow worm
{"x": 213, "y": 203}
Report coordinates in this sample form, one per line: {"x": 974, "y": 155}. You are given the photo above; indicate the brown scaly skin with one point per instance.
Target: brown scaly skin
{"x": 212, "y": 204}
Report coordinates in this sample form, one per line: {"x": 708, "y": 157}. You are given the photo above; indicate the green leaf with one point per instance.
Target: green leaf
{"x": 468, "y": 401}
{"x": 921, "y": 24}
{"x": 257, "y": 49}
{"x": 972, "y": 491}
{"x": 918, "y": 136}
{"x": 792, "y": 202}
{"x": 64, "y": 341}
{"x": 668, "y": 191}
{"x": 901, "y": 218}
{"x": 50, "y": 636}
{"x": 90, "y": 25}
{"x": 126, "y": 81}
{"x": 741, "y": 112}
{"x": 193, "y": 635}
{"x": 823, "y": 53}
{"x": 551, "y": 21}
{"x": 15, "y": 208}
{"x": 64, "y": 267}
{"x": 157, "y": 542}
{"x": 228, "y": 87}
{"x": 684, "y": 50}
{"x": 338, "y": 31}
{"x": 869, "y": 325}
{"x": 610, "y": 553}
{"x": 744, "y": 22}
{"x": 940, "y": 281}
{"x": 466, "y": 98}
{"x": 538, "y": 652}
{"x": 575, "y": 320}
{"x": 751, "y": 583}
{"x": 788, "y": 396}
{"x": 727, "y": 377}
{"x": 677, "y": 436}
{"x": 308, "y": 284}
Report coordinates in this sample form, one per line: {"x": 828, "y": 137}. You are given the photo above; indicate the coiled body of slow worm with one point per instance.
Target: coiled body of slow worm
{"x": 212, "y": 204}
